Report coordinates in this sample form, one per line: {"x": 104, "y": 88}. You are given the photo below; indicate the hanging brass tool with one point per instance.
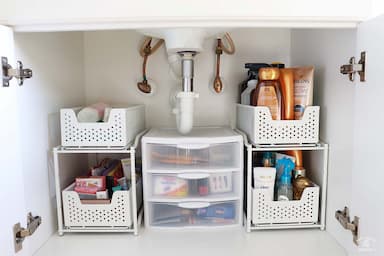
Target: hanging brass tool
{"x": 220, "y": 48}
{"x": 145, "y": 51}
{"x": 217, "y": 83}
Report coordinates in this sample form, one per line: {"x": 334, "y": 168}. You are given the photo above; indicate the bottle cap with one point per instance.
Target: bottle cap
{"x": 256, "y": 66}
{"x": 288, "y": 167}
{"x": 278, "y": 65}
{"x": 299, "y": 171}
{"x": 268, "y": 159}
{"x": 269, "y": 73}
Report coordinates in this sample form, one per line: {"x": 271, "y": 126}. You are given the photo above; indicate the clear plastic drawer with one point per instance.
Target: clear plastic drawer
{"x": 193, "y": 156}
{"x": 217, "y": 185}
{"x": 193, "y": 214}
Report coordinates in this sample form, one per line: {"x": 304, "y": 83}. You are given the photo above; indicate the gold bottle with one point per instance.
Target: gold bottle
{"x": 300, "y": 181}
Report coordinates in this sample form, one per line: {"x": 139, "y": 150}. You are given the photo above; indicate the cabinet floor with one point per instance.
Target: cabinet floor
{"x": 193, "y": 242}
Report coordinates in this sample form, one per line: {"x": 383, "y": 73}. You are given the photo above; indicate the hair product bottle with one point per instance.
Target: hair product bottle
{"x": 268, "y": 91}
{"x": 247, "y": 86}
{"x": 288, "y": 93}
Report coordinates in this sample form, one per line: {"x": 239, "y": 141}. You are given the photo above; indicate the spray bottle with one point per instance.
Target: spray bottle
{"x": 284, "y": 187}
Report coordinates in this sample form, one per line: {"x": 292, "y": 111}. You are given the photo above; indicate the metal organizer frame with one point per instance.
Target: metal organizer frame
{"x": 320, "y": 176}
{"x": 136, "y": 210}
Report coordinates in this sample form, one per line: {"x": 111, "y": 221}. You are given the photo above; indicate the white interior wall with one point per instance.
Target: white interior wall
{"x": 327, "y": 50}
{"x": 113, "y": 67}
{"x": 57, "y": 63}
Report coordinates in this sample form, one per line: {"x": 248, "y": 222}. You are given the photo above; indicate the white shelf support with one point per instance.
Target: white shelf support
{"x": 249, "y": 204}
{"x": 136, "y": 213}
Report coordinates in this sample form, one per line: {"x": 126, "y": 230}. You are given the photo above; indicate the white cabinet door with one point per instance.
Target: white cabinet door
{"x": 368, "y": 170}
{"x": 11, "y": 182}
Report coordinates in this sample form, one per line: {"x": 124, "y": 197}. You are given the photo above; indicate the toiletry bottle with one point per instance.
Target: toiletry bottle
{"x": 267, "y": 92}
{"x": 253, "y": 74}
{"x": 287, "y": 93}
{"x": 303, "y": 84}
{"x": 284, "y": 189}
{"x": 299, "y": 183}
{"x": 298, "y": 155}
{"x": 264, "y": 178}
{"x": 268, "y": 160}
{"x": 246, "y": 94}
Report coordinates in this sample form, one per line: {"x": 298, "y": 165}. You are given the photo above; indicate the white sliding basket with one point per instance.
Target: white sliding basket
{"x": 116, "y": 214}
{"x": 267, "y": 212}
{"x": 260, "y": 128}
{"x": 120, "y": 129}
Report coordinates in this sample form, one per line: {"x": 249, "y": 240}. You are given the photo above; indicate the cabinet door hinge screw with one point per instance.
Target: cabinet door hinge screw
{"x": 352, "y": 68}
{"x": 20, "y": 233}
{"x": 344, "y": 219}
{"x": 20, "y": 73}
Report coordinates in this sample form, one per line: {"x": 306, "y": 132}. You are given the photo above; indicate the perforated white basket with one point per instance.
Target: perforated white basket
{"x": 122, "y": 127}
{"x": 116, "y": 214}
{"x": 305, "y": 210}
{"x": 257, "y": 123}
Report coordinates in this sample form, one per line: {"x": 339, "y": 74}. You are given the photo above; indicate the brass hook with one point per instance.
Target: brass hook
{"x": 145, "y": 51}
{"x": 217, "y": 83}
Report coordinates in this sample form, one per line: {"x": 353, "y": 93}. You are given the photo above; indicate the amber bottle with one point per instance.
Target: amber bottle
{"x": 267, "y": 92}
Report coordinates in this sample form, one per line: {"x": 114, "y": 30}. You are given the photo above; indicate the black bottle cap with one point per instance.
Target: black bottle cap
{"x": 256, "y": 66}
{"x": 278, "y": 65}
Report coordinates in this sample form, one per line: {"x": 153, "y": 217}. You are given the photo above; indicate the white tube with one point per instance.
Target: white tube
{"x": 184, "y": 111}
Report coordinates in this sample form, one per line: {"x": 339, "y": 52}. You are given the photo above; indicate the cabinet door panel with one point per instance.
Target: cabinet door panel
{"x": 11, "y": 182}
{"x": 368, "y": 173}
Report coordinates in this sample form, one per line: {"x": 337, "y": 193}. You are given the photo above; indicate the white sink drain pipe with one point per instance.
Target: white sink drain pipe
{"x": 185, "y": 99}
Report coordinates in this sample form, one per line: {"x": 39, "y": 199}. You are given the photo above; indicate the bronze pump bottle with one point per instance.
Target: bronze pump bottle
{"x": 300, "y": 181}
{"x": 268, "y": 91}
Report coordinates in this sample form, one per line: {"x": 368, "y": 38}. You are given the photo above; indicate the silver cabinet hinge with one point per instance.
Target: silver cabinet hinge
{"x": 33, "y": 222}
{"x": 20, "y": 73}
{"x": 352, "y": 68}
{"x": 344, "y": 219}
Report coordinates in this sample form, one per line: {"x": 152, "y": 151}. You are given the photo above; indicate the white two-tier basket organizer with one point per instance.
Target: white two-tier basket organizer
{"x": 262, "y": 134}
{"x": 84, "y": 144}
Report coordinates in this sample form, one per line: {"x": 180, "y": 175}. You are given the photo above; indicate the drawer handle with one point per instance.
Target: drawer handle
{"x": 193, "y": 205}
{"x": 193, "y": 146}
{"x": 193, "y": 176}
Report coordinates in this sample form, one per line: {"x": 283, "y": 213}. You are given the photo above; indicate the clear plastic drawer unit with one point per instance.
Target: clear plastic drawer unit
{"x": 192, "y": 180}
